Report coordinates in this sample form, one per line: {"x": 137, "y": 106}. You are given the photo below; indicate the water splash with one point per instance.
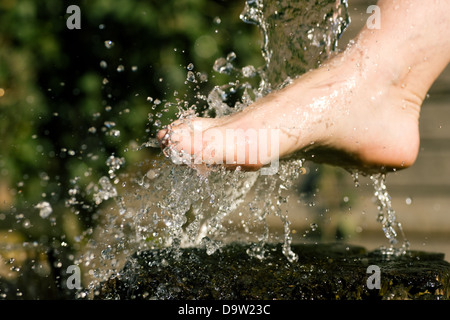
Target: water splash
{"x": 306, "y": 33}
{"x": 387, "y": 217}
{"x": 109, "y": 44}
{"x": 172, "y": 206}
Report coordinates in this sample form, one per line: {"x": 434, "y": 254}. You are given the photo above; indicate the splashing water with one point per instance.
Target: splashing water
{"x": 300, "y": 52}
{"x": 171, "y": 206}
{"x": 386, "y": 216}
{"x": 307, "y": 32}
{"x": 45, "y": 209}
{"x": 174, "y": 206}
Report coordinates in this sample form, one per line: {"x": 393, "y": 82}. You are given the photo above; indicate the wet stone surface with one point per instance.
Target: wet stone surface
{"x": 323, "y": 272}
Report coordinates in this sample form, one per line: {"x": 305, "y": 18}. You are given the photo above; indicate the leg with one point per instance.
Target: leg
{"x": 359, "y": 110}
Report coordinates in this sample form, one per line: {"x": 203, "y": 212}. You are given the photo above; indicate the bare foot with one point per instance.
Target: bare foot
{"x": 346, "y": 113}
{"x": 359, "y": 110}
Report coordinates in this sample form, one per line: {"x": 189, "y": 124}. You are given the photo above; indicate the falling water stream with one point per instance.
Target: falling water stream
{"x": 165, "y": 205}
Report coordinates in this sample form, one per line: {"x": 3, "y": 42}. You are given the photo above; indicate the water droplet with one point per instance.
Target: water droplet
{"x": 249, "y": 71}
{"x": 109, "y": 124}
{"x": 120, "y": 68}
{"x": 355, "y": 176}
{"x": 231, "y": 56}
{"x": 109, "y": 44}
{"x": 152, "y": 174}
{"x": 45, "y": 209}
{"x": 106, "y": 253}
{"x": 103, "y": 64}
{"x": 408, "y": 201}
{"x": 190, "y": 66}
{"x": 202, "y": 76}
{"x": 210, "y": 245}
{"x": 106, "y": 191}
{"x": 114, "y": 133}
{"x": 190, "y": 76}
{"x": 221, "y": 65}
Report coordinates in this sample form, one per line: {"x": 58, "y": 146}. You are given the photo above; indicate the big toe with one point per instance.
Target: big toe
{"x": 180, "y": 134}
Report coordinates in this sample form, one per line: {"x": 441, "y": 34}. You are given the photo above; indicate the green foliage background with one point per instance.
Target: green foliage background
{"x": 56, "y": 94}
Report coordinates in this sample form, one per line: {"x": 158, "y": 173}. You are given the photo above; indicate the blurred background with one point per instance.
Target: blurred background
{"x": 68, "y": 100}
{"x": 71, "y": 98}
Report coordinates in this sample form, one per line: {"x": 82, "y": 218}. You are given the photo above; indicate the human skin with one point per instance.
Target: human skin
{"x": 359, "y": 110}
